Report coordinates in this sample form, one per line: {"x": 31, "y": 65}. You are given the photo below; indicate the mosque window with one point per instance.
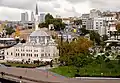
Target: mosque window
{"x": 11, "y": 53}
{"x": 42, "y": 55}
{"x": 16, "y": 54}
{"x": 34, "y": 55}
{"x": 42, "y": 50}
{"x": 37, "y": 55}
{"x": 31, "y": 55}
{"x": 7, "y": 53}
{"x": 48, "y": 54}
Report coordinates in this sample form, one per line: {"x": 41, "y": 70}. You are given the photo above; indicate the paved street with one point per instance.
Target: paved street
{"x": 42, "y": 75}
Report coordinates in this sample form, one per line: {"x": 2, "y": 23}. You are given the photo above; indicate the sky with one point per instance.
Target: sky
{"x": 12, "y": 9}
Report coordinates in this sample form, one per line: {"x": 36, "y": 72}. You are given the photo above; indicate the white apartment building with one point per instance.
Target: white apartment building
{"x": 84, "y": 18}
{"x": 109, "y": 17}
{"x": 95, "y": 13}
{"x": 42, "y": 18}
{"x": 24, "y": 17}
{"x": 96, "y": 24}
{"x": 32, "y": 17}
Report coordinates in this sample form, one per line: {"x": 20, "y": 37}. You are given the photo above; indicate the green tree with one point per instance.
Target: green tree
{"x": 78, "y": 22}
{"x": 105, "y": 37}
{"x": 84, "y": 31}
{"x": 69, "y": 51}
{"x": 118, "y": 29}
{"x": 94, "y": 36}
{"x": 9, "y": 30}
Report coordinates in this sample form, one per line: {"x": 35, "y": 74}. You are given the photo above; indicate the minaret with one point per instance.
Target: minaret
{"x": 36, "y": 18}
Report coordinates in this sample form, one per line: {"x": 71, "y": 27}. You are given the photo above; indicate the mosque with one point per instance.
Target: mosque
{"x": 39, "y": 46}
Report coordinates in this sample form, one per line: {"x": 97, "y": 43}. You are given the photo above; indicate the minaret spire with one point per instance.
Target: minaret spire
{"x": 36, "y": 12}
{"x": 36, "y": 17}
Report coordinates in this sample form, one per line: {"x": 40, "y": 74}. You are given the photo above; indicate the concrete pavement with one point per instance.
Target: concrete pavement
{"x": 46, "y": 76}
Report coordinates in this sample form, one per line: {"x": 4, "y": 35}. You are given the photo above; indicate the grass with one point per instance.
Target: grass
{"x": 65, "y": 71}
{"x": 93, "y": 70}
{"x": 21, "y": 65}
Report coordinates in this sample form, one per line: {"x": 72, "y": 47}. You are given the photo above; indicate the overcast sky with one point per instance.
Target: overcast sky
{"x": 11, "y": 9}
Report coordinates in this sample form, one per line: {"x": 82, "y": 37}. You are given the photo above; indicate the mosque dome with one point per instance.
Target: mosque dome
{"x": 39, "y": 33}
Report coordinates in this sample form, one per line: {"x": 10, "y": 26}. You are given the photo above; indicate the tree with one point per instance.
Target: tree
{"x": 58, "y": 24}
{"x": 78, "y": 22}
{"x": 94, "y": 36}
{"x": 41, "y": 25}
{"x": 9, "y": 30}
{"x": 84, "y": 31}
{"x": 48, "y": 16}
{"x": 118, "y": 29}
{"x": 105, "y": 37}
{"x": 69, "y": 51}
{"x": 23, "y": 41}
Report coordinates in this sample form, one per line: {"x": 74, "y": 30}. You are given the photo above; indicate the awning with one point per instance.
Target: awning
{"x": 44, "y": 60}
{"x": 9, "y": 59}
{"x": 18, "y": 60}
{"x": 35, "y": 59}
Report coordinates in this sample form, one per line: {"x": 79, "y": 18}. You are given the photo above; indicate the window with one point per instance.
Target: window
{"x": 37, "y": 55}
{"x": 45, "y": 54}
{"x": 16, "y": 54}
{"x": 7, "y": 53}
{"x": 31, "y": 55}
{"x": 23, "y": 54}
{"x": 42, "y": 50}
{"x": 34, "y": 55}
{"x": 48, "y": 54}
{"x": 100, "y": 22}
{"x": 11, "y": 53}
{"x": 42, "y": 55}
{"x": 35, "y": 50}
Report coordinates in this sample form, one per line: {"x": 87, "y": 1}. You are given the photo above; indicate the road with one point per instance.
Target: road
{"x": 44, "y": 76}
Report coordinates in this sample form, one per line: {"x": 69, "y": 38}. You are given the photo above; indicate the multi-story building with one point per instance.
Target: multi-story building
{"x": 24, "y": 17}
{"x": 109, "y": 17}
{"x": 42, "y": 17}
{"x": 84, "y": 18}
{"x": 95, "y": 13}
{"x": 39, "y": 47}
{"x": 32, "y": 17}
{"x": 96, "y": 24}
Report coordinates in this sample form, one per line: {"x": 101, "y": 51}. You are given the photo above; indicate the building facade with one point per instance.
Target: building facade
{"x": 24, "y": 17}
{"x": 42, "y": 17}
{"x": 40, "y": 46}
{"x": 96, "y": 24}
{"x": 95, "y": 13}
{"x": 32, "y": 17}
{"x": 84, "y": 19}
